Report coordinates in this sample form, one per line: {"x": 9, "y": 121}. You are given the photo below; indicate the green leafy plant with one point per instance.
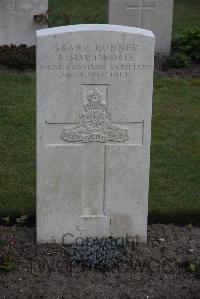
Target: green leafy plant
{"x": 7, "y": 253}
{"x": 188, "y": 43}
{"x": 178, "y": 60}
{"x": 7, "y": 267}
{"x": 185, "y": 49}
{"x": 194, "y": 268}
{"x": 19, "y": 57}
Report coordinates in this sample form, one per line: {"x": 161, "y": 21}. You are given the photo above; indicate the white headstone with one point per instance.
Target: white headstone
{"x": 94, "y": 106}
{"x": 17, "y": 25}
{"x": 155, "y": 15}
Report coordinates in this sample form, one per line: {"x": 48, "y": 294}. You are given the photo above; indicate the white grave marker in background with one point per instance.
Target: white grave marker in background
{"x": 17, "y": 25}
{"x": 155, "y": 15}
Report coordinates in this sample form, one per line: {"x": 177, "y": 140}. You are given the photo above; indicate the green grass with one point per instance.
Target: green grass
{"x": 174, "y": 175}
{"x": 174, "y": 180}
{"x": 17, "y": 144}
{"x": 186, "y": 13}
{"x": 78, "y": 11}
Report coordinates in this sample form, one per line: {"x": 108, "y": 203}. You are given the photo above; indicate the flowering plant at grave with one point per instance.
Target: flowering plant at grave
{"x": 7, "y": 253}
{"x": 41, "y": 19}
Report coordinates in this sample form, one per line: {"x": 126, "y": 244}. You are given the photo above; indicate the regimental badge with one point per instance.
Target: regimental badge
{"x": 95, "y": 123}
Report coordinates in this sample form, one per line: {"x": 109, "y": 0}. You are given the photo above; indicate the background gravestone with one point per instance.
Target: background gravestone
{"x": 17, "y": 25}
{"x": 155, "y": 15}
{"x": 94, "y": 107}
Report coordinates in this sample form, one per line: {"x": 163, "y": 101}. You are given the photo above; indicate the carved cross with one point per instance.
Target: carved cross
{"x": 94, "y": 133}
{"x": 143, "y": 6}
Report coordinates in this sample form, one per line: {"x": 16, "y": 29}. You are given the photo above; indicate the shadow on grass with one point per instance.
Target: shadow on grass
{"x": 177, "y": 219}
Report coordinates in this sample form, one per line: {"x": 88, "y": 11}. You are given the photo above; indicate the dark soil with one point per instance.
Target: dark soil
{"x": 158, "y": 270}
{"x": 163, "y": 70}
{"x": 18, "y": 57}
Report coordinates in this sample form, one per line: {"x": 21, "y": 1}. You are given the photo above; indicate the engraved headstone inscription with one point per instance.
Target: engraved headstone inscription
{"x": 94, "y": 106}
{"x": 17, "y": 25}
{"x": 155, "y": 15}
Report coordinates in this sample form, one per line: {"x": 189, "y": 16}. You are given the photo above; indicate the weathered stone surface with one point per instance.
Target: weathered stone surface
{"x": 155, "y": 15}
{"x": 94, "y": 106}
{"x": 17, "y": 25}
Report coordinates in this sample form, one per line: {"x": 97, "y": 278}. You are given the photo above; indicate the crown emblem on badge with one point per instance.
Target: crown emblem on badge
{"x": 95, "y": 99}
{"x": 94, "y": 96}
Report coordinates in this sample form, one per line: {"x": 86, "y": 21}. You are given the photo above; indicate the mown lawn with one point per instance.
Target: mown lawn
{"x": 175, "y": 153}
{"x": 174, "y": 182}
{"x": 78, "y": 11}
{"x": 17, "y": 144}
{"x": 186, "y": 13}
